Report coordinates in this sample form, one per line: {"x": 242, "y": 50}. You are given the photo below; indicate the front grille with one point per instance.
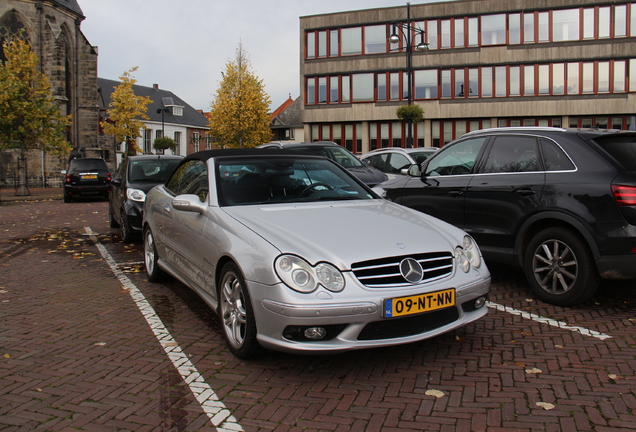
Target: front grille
{"x": 385, "y": 272}
{"x": 408, "y": 326}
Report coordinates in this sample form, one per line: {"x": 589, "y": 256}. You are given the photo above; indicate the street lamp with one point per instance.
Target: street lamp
{"x": 409, "y": 34}
{"x": 162, "y": 111}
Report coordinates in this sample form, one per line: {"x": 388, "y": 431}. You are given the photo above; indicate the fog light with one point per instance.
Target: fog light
{"x": 315, "y": 333}
{"x": 480, "y": 302}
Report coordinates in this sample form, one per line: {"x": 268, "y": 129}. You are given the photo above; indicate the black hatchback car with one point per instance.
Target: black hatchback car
{"x": 86, "y": 177}
{"x": 559, "y": 203}
{"x": 369, "y": 175}
{"x": 134, "y": 178}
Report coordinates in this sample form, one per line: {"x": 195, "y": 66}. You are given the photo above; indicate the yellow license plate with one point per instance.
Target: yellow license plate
{"x": 89, "y": 177}
{"x": 419, "y": 303}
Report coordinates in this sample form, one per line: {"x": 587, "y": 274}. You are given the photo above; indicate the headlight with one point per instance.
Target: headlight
{"x": 468, "y": 254}
{"x": 136, "y": 195}
{"x": 302, "y": 277}
{"x": 472, "y": 251}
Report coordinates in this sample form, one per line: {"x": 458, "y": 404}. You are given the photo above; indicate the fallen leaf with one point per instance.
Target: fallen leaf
{"x": 438, "y": 394}
{"x": 558, "y": 346}
{"x": 520, "y": 364}
{"x": 613, "y": 377}
{"x": 545, "y": 405}
{"x": 100, "y": 343}
{"x": 6, "y": 356}
{"x": 534, "y": 371}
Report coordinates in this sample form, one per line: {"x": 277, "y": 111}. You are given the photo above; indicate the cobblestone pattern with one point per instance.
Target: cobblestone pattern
{"x": 76, "y": 354}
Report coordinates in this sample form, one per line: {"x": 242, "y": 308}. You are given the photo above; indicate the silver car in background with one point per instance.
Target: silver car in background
{"x": 295, "y": 254}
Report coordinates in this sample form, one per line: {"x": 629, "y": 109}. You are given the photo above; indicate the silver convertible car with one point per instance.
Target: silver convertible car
{"x": 297, "y": 255}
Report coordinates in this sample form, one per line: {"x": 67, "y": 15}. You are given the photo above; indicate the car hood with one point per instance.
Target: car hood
{"x": 347, "y": 232}
{"x": 368, "y": 175}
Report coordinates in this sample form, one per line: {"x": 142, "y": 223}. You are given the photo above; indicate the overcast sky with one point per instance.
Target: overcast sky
{"x": 185, "y": 45}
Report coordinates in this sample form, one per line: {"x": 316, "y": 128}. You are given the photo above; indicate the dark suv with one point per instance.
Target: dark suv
{"x": 134, "y": 178}
{"x": 559, "y": 203}
{"x": 86, "y": 177}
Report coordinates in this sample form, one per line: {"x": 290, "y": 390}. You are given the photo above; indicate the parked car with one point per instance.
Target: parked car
{"x": 559, "y": 203}
{"x": 134, "y": 178}
{"x": 394, "y": 161}
{"x": 369, "y": 175}
{"x": 86, "y": 177}
{"x": 289, "y": 254}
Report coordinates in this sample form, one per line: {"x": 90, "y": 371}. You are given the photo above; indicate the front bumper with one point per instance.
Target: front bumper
{"x": 351, "y": 325}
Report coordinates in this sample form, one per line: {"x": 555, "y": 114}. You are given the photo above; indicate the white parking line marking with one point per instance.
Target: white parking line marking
{"x": 554, "y": 323}
{"x": 216, "y": 410}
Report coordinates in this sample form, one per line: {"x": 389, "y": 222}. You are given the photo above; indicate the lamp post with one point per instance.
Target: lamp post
{"x": 409, "y": 33}
{"x": 162, "y": 111}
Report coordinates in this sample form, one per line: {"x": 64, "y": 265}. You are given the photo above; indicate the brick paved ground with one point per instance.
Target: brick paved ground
{"x": 76, "y": 354}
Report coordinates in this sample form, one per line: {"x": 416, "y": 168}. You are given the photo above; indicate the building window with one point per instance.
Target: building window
{"x": 177, "y": 110}
{"x": 558, "y": 79}
{"x": 196, "y": 139}
{"x": 322, "y": 90}
{"x": 620, "y": 21}
{"x": 333, "y": 43}
{"x": 362, "y": 87}
{"x": 333, "y": 89}
{"x": 311, "y": 45}
{"x": 177, "y": 139}
{"x": 351, "y": 43}
{"x": 375, "y": 39}
{"x": 158, "y": 133}
{"x": 514, "y": 29}
{"x": 565, "y": 25}
{"x": 322, "y": 44}
{"x": 381, "y": 86}
{"x": 311, "y": 91}
{"x": 588, "y": 24}
{"x": 604, "y": 22}
{"x": 493, "y": 29}
{"x": 425, "y": 84}
{"x": 528, "y": 28}
{"x": 208, "y": 141}
{"x": 619, "y": 77}
{"x": 486, "y": 82}
{"x": 147, "y": 140}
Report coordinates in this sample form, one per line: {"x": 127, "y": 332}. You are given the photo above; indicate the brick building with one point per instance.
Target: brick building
{"x": 52, "y": 28}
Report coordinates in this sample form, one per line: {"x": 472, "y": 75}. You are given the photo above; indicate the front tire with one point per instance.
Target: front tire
{"x": 125, "y": 229}
{"x": 112, "y": 222}
{"x": 237, "y": 315}
{"x": 560, "y": 268}
{"x": 153, "y": 272}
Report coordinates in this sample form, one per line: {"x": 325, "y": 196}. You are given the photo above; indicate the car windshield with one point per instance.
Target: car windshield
{"x": 335, "y": 153}
{"x": 258, "y": 180}
{"x": 153, "y": 170}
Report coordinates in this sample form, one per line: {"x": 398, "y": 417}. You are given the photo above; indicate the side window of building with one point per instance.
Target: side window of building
{"x": 555, "y": 158}
{"x": 513, "y": 154}
{"x": 457, "y": 159}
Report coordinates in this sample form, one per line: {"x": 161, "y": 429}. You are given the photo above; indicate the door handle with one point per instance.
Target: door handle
{"x": 166, "y": 208}
{"x": 456, "y": 193}
{"x": 525, "y": 192}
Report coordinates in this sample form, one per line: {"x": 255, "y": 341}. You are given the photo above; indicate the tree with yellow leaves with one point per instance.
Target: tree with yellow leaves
{"x": 126, "y": 112}
{"x": 29, "y": 116}
{"x": 239, "y": 114}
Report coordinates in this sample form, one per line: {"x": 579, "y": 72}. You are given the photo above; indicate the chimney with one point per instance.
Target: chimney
{"x": 155, "y": 86}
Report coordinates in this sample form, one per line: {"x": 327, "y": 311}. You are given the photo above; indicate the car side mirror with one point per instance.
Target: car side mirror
{"x": 116, "y": 181}
{"x": 189, "y": 203}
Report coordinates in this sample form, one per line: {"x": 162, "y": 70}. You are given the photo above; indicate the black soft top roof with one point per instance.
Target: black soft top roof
{"x": 207, "y": 154}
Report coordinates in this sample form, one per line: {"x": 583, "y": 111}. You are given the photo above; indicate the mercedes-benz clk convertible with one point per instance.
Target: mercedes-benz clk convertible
{"x": 297, "y": 255}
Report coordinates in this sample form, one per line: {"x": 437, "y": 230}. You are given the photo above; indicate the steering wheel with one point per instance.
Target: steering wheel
{"x": 314, "y": 186}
